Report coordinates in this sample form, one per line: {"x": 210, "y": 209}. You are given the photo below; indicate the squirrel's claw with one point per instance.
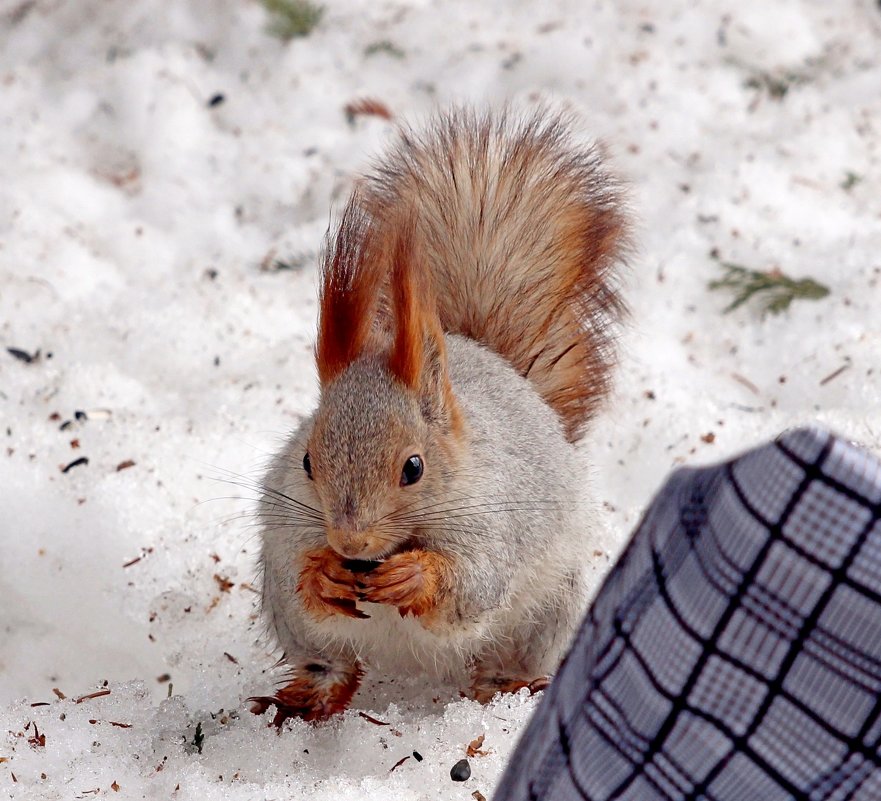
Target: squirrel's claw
{"x": 414, "y": 581}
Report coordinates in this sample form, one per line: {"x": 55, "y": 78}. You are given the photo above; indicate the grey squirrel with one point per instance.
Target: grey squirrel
{"x": 429, "y": 513}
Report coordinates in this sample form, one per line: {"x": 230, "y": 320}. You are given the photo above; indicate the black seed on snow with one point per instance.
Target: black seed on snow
{"x": 65, "y": 425}
{"x": 216, "y": 100}
{"x": 22, "y": 355}
{"x": 75, "y": 463}
{"x": 417, "y": 756}
{"x": 461, "y": 771}
{"x": 80, "y": 415}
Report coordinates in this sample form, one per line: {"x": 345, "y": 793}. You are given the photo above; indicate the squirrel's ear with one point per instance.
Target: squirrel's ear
{"x": 418, "y": 357}
{"x": 351, "y": 274}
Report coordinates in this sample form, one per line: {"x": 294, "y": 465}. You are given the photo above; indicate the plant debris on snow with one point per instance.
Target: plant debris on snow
{"x": 290, "y": 19}
{"x": 774, "y": 290}
{"x": 167, "y": 181}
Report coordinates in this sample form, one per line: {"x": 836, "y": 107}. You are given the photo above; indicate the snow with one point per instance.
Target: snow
{"x": 139, "y": 229}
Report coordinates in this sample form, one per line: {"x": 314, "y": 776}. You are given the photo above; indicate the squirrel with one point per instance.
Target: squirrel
{"x": 427, "y": 515}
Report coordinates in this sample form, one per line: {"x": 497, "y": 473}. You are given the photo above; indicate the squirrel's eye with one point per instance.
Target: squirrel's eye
{"x": 412, "y": 471}
{"x": 307, "y": 465}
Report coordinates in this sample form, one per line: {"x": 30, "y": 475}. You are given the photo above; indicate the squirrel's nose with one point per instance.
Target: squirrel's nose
{"x": 352, "y": 544}
{"x": 346, "y": 541}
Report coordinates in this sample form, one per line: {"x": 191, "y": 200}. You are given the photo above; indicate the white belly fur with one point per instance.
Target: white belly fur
{"x": 389, "y": 642}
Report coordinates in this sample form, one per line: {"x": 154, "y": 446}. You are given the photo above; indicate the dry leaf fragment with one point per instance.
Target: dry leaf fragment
{"x": 223, "y": 582}
{"x": 475, "y": 747}
{"x": 114, "y": 787}
{"x": 123, "y": 179}
{"x": 125, "y": 465}
{"x": 367, "y": 107}
{"x": 478, "y": 796}
{"x": 38, "y": 740}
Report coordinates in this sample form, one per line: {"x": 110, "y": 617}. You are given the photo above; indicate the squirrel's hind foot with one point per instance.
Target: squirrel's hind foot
{"x": 485, "y": 688}
{"x": 317, "y": 691}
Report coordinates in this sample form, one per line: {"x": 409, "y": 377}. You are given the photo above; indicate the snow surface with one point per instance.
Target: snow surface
{"x": 139, "y": 226}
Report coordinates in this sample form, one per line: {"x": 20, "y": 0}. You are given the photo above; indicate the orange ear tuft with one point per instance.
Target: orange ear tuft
{"x": 418, "y": 357}
{"x": 412, "y": 313}
{"x": 350, "y": 283}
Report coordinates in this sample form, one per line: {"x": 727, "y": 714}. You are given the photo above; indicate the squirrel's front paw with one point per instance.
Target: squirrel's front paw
{"x": 326, "y": 587}
{"x": 416, "y": 582}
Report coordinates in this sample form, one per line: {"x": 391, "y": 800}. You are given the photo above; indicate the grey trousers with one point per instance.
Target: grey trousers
{"x": 734, "y": 652}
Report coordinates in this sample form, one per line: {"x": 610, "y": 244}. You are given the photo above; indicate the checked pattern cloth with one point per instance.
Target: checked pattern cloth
{"x": 734, "y": 652}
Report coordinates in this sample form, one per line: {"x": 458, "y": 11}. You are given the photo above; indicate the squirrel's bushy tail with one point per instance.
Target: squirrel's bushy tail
{"x": 521, "y": 230}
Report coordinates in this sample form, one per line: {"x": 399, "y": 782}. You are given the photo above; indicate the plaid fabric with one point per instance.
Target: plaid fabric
{"x": 734, "y": 652}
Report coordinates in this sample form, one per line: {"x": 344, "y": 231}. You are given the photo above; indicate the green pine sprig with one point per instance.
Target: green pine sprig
{"x": 775, "y": 289}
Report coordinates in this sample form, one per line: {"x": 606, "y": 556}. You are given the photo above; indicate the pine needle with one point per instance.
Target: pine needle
{"x": 775, "y": 289}
{"x": 290, "y": 19}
